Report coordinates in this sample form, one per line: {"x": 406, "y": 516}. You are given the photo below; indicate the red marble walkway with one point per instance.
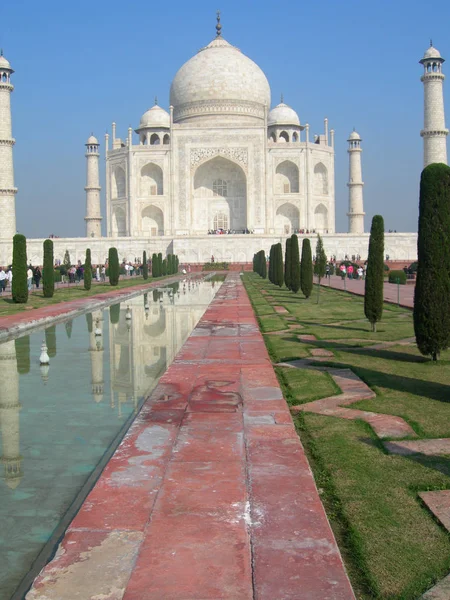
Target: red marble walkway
{"x": 210, "y": 494}
{"x": 356, "y": 286}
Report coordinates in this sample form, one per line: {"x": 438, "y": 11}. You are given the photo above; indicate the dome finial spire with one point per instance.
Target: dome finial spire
{"x": 431, "y": 43}
{"x": 1, "y": 51}
{"x": 156, "y": 100}
{"x": 218, "y": 26}
{"x": 282, "y": 98}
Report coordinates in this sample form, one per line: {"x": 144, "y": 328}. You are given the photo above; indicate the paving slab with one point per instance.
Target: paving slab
{"x": 210, "y": 495}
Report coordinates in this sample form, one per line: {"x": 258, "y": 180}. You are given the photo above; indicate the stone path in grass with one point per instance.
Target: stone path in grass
{"x": 385, "y": 426}
{"x": 210, "y": 495}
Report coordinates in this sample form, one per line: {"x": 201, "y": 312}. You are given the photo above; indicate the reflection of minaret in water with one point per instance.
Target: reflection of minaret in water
{"x": 9, "y": 415}
{"x": 96, "y": 353}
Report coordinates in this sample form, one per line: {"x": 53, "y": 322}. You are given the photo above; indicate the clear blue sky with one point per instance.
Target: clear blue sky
{"x": 80, "y": 65}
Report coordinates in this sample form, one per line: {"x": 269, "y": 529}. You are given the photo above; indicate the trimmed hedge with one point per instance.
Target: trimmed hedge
{"x": 306, "y": 269}
{"x": 215, "y": 266}
{"x": 295, "y": 264}
{"x": 87, "y": 277}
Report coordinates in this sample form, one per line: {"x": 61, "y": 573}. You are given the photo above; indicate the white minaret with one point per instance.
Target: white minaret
{"x": 355, "y": 185}
{"x": 434, "y": 132}
{"x": 7, "y": 190}
{"x": 93, "y": 216}
{"x": 96, "y": 351}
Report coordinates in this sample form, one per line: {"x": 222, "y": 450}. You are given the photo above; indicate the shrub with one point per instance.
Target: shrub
{"x": 160, "y": 265}
{"x": 295, "y": 264}
{"x": 19, "y": 269}
{"x": 87, "y": 270}
{"x": 397, "y": 277}
{"x": 48, "y": 274}
{"x": 215, "y": 266}
{"x": 306, "y": 269}
{"x": 373, "y": 294}
{"x": 164, "y": 267}
{"x": 271, "y": 256}
{"x": 66, "y": 260}
{"x": 57, "y": 277}
{"x": 144, "y": 265}
{"x": 113, "y": 264}
{"x": 432, "y": 292}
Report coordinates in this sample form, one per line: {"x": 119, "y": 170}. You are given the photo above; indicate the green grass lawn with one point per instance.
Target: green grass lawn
{"x": 393, "y": 547}
{"x": 63, "y": 294}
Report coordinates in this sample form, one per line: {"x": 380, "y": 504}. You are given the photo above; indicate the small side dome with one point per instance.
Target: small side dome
{"x": 4, "y": 64}
{"x": 283, "y": 114}
{"x": 154, "y": 117}
{"x": 354, "y": 136}
{"x": 432, "y": 52}
{"x": 92, "y": 141}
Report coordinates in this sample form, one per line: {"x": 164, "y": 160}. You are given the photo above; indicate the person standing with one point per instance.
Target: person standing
{"x": 37, "y": 276}
{"x": 97, "y": 273}
{"x": 103, "y": 273}
{"x": 2, "y": 280}
{"x": 9, "y": 276}
{"x": 30, "y": 277}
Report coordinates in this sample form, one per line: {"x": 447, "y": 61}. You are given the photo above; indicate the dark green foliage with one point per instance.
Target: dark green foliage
{"x": 48, "y": 275}
{"x": 87, "y": 277}
{"x": 432, "y": 292}
{"x": 144, "y": 265}
{"x": 68, "y": 326}
{"x": 295, "y": 264}
{"x": 397, "y": 277}
{"x": 160, "y": 264}
{"x": 155, "y": 265}
{"x": 306, "y": 269}
{"x": 114, "y": 314}
{"x": 373, "y": 295}
{"x": 287, "y": 264}
{"x": 113, "y": 265}
{"x": 271, "y": 263}
{"x": 263, "y": 265}
{"x": 259, "y": 264}
{"x": 22, "y": 346}
{"x": 164, "y": 267}
{"x": 50, "y": 341}
{"x": 19, "y": 269}
{"x": 278, "y": 265}
{"x": 320, "y": 264}
{"x": 169, "y": 264}
{"x": 66, "y": 261}
{"x": 177, "y": 263}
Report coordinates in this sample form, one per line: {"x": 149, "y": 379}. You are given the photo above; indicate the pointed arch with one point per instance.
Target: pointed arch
{"x": 320, "y": 180}
{"x": 119, "y": 222}
{"x": 287, "y": 178}
{"x": 155, "y": 140}
{"x": 220, "y": 188}
{"x": 321, "y": 218}
{"x": 152, "y": 221}
{"x": 152, "y": 181}
{"x": 118, "y": 187}
{"x": 287, "y": 218}
{"x": 283, "y": 137}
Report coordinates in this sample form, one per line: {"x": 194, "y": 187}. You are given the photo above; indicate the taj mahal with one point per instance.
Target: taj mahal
{"x": 220, "y": 159}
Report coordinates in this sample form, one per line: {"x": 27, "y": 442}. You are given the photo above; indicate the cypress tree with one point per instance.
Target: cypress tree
{"x": 19, "y": 269}
{"x": 154, "y": 265}
{"x": 113, "y": 264}
{"x": 279, "y": 274}
{"x": 295, "y": 264}
{"x": 87, "y": 276}
{"x": 48, "y": 275}
{"x": 271, "y": 264}
{"x": 177, "y": 262}
{"x": 160, "y": 265}
{"x": 432, "y": 292}
{"x": 287, "y": 264}
{"x": 164, "y": 267}
{"x": 66, "y": 261}
{"x": 373, "y": 294}
{"x": 263, "y": 265}
{"x": 321, "y": 263}
{"x": 144, "y": 265}
{"x": 306, "y": 270}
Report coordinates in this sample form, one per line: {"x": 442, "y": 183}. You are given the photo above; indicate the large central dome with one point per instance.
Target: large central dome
{"x": 219, "y": 81}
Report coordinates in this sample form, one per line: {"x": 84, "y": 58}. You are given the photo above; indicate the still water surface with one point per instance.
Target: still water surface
{"x": 59, "y": 425}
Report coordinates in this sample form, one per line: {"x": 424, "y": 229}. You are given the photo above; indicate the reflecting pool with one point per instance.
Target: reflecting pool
{"x": 60, "y": 423}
